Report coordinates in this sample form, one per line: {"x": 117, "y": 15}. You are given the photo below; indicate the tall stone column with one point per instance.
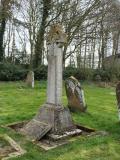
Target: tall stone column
{"x": 55, "y": 41}
{"x": 54, "y": 86}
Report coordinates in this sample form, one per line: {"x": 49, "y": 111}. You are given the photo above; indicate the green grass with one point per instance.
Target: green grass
{"x": 3, "y": 142}
{"x": 18, "y": 103}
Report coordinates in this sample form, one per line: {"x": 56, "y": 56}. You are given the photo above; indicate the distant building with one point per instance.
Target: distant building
{"x": 112, "y": 62}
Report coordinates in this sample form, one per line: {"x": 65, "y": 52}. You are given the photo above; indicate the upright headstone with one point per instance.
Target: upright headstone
{"x": 118, "y": 98}
{"x": 30, "y": 79}
{"x": 52, "y": 117}
{"x": 75, "y": 95}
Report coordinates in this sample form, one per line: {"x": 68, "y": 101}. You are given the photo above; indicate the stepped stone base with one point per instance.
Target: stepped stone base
{"x": 51, "y": 119}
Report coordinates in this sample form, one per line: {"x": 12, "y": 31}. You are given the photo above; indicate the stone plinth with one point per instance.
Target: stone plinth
{"x": 50, "y": 119}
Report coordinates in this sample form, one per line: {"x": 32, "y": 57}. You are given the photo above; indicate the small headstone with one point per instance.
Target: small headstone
{"x": 98, "y": 78}
{"x": 30, "y": 79}
{"x": 75, "y": 95}
{"x": 118, "y": 98}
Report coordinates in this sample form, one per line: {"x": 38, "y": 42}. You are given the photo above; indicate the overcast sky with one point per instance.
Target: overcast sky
{"x": 19, "y": 30}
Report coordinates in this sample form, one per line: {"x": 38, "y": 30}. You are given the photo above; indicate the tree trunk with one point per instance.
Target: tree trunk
{"x": 103, "y": 52}
{"x": 2, "y": 31}
{"x": 85, "y": 53}
{"x": 115, "y": 42}
{"x": 40, "y": 36}
{"x": 93, "y": 55}
{"x": 99, "y": 56}
{"x": 64, "y": 53}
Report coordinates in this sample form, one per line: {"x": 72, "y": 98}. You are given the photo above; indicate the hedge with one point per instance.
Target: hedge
{"x": 12, "y": 72}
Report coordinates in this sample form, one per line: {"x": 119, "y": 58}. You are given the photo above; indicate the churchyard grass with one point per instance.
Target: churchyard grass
{"x": 18, "y": 103}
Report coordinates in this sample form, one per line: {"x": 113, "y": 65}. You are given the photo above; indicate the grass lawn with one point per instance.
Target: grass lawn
{"x": 18, "y": 103}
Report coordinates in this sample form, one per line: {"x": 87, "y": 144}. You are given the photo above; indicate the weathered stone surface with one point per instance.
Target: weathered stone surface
{"x": 48, "y": 145}
{"x": 36, "y": 129}
{"x": 50, "y": 118}
{"x": 9, "y": 148}
{"x": 56, "y": 39}
{"x": 75, "y": 95}
{"x": 56, "y": 34}
{"x": 118, "y": 98}
{"x": 56, "y": 137}
{"x": 30, "y": 79}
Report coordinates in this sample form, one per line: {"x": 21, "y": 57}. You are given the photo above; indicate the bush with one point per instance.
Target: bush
{"x": 80, "y": 74}
{"x": 11, "y": 72}
{"x": 106, "y": 75}
{"x": 97, "y": 78}
{"x": 41, "y": 73}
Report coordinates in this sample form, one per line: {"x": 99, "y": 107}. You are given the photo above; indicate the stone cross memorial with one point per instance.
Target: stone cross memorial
{"x": 52, "y": 119}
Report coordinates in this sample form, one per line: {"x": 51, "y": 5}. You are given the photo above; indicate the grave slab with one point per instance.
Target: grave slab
{"x": 9, "y": 148}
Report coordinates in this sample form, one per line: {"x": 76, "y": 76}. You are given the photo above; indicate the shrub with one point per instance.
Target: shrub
{"x": 41, "y": 73}
{"x": 104, "y": 74}
{"x": 11, "y": 72}
{"x": 80, "y": 74}
{"x": 97, "y": 78}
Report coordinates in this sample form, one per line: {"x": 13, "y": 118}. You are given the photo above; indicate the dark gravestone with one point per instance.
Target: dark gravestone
{"x": 118, "y": 98}
{"x": 75, "y": 95}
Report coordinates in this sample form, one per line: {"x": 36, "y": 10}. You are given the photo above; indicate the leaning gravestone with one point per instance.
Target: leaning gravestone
{"x": 118, "y": 98}
{"x": 52, "y": 118}
{"x": 75, "y": 95}
{"x": 30, "y": 79}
